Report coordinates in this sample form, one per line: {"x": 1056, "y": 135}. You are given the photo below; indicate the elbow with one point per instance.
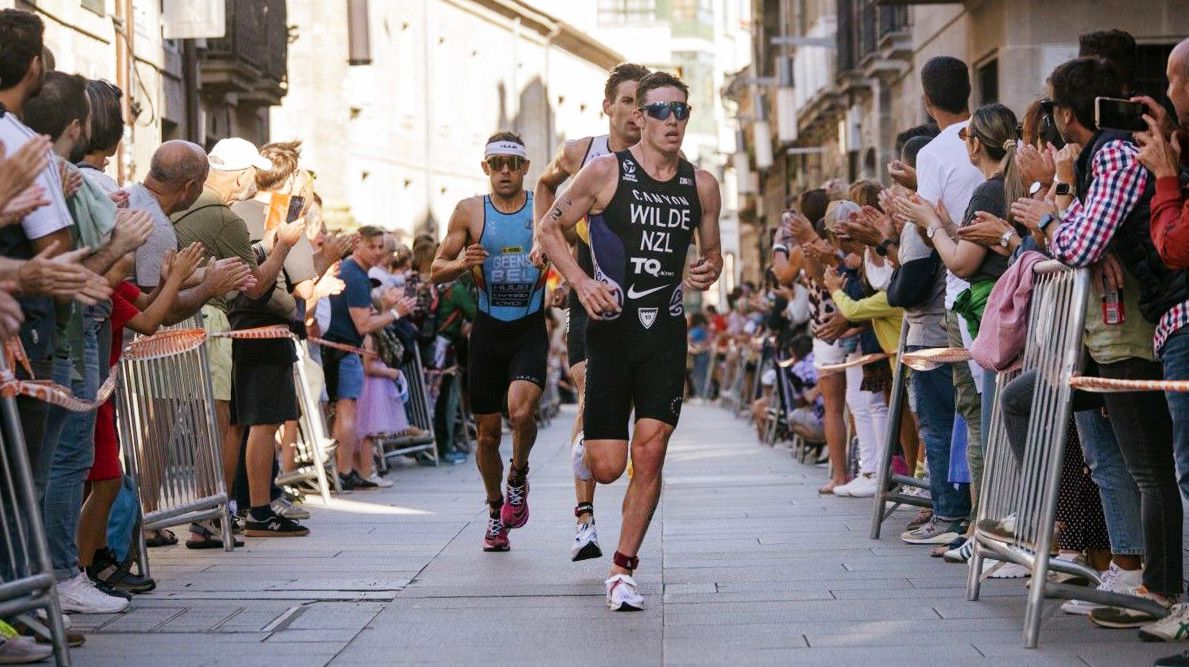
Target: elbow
{"x": 965, "y": 272}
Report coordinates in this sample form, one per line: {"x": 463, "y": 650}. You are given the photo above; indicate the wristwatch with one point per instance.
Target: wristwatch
{"x": 931, "y": 231}
{"x": 1063, "y": 189}
{"x": 1005, "y": 240}
{"x": 1045, "y": 221}
{"x": 1036, "y": 187}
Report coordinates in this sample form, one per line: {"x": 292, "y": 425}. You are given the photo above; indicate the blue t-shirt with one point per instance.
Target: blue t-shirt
{"x": 356, "y": 294}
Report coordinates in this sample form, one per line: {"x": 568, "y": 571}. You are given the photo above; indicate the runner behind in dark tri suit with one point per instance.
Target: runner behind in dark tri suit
{"x": 619, "y": 105}
{"x": 642, "y": 205}
{"x": 492, "y": 236}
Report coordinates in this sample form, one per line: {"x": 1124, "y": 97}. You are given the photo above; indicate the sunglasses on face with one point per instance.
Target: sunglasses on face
{"x": 661, "y": 110}
{"x": 498, "y": 162}
{"x": 1046, "y": 105}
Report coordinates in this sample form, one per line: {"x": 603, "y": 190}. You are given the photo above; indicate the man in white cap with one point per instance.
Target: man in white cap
{"x": 210, "y": 221}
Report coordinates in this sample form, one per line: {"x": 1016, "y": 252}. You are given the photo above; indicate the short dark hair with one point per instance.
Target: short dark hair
{"x": 927, "y": 130}
{"x": 62, "y": 100}
{"x": 506, "y": 135}
{"x": 369, "y": 232}
{"x": 657, "y": 80}
{"x": 1115, "y": 46}
{"x": 21, "y": 40}
{"x": 284, "y": 156}
{"x": 620, "y": 73}
{"x": 107, "y": 115}
{"x": 801, "y": 345}
{"x": 1076, "y": 83}
{"x": 946, "y": 82}
{"x": 813, "y": 204}
{"x": 908, "y": 154}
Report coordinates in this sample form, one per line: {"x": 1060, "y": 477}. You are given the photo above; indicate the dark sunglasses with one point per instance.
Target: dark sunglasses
{"x": 661, "y": 110}
{"x": 498, "y": 162}
{"x": 1046, "y": 105}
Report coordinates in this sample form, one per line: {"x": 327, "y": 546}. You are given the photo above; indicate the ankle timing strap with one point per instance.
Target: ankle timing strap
{"x": 626, "y": 562}
{"x": 583, "y": 508}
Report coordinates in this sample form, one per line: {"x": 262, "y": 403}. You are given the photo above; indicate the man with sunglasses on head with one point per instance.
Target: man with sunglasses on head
{"x": 492, "y": 236}
{"x": 642, "y": 206}
{"x": 619, "y": 104}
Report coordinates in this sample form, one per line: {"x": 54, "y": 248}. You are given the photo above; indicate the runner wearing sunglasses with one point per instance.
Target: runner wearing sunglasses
{"x": 643, "y": 205}
{"x": 491, "y": 236}
{"x": 619, "y": 104}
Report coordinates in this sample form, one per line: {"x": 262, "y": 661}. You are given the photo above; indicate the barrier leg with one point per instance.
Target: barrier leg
{"x": 883, "y": 476}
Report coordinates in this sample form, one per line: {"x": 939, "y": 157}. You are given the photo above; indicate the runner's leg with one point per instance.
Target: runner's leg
{"x": 649, "y": 444}
{"x": 523, "y": 398}
{"x": 487, "y": 456}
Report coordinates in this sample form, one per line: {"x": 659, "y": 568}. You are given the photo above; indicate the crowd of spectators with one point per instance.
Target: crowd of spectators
{"x": 976, "y": 198}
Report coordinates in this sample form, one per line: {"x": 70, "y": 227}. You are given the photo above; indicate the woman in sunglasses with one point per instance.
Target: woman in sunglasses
{"x": 642, "y": 206}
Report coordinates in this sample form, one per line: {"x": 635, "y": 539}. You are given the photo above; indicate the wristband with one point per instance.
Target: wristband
{"x": 780, "y": 247}
{"x": 394, "y": 313}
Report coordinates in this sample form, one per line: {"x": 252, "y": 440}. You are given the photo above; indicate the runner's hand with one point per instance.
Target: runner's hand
{"x": 474, "y": 255}
{"x": 702, "y": 274}
{"x": 538, "y": 257}
{"x": 597, "y": 298}
{"x": 11, "y": 316}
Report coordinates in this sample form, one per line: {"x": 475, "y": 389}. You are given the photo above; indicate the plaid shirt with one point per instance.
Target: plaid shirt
{"x": 1088, "y": 227}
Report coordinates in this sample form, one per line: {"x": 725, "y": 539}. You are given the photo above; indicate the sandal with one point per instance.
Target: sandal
{"x": 162, "y": 537}
{"x": 208, "y": 539}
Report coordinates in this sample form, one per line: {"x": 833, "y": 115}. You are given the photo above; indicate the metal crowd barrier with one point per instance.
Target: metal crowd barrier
{"x": 550, "y": 402}
{"x": 890, "y": 489}
{"x": 1029, "y": 490}
{"x": 316, "y": 466}
{"x": 25, "y": 568}
{"x": 170, "y": 439}
{"x": 423, "y": 387}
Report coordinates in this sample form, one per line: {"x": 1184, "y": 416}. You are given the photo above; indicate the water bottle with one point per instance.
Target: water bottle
{"x": 1112, "y": 305}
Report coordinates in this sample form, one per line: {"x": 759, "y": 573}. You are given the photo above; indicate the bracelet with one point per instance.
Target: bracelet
{"x": 394, "y": 313}
{"x": 780, "y": 247}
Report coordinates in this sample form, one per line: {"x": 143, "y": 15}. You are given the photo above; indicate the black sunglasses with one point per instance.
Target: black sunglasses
{"x": 661, "y": 110}
{"x": 498, "y": 162}
{"x": 1046, "y": 105}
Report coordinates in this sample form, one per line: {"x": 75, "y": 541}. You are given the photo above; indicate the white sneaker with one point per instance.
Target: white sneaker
{"x": 79, "y": 596}
{"x": 1005, "y": 570}
{"x": 382, "y": 482}
{"x": 578, "y": 458}
{"x": 622, "y": 594}
{"x": 1171, "y": 628}
{"x": 22, "y": 651}
{"x": 586, "y": 543}
{"x": 1114, "y": 580}
{"x": 862, "y": 486}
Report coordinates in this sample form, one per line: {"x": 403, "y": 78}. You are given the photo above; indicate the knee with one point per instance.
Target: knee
{"x": 606, "y": 472}
{"x": 522, "y": 417}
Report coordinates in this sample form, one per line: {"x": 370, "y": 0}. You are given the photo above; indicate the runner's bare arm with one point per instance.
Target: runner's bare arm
{"x": 703, "y": 272}
{"x": 592, "y": 188}
{"x": 455, "y": 257}
{"x": 565, "y": 164}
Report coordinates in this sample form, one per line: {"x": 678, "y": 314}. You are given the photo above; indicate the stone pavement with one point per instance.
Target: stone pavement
{"x": 744, "y": 564}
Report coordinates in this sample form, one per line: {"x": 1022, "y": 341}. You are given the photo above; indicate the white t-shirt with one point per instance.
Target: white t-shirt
{"x": 944, "y": 173}
{"x": 47, "y": 219}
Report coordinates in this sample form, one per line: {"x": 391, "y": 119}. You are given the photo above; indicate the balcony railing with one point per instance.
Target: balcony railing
{"x": 253, "y": 54}
{"x": 862, "y": 27}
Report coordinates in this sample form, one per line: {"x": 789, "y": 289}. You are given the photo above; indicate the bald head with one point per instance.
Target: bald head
{"x": 1178, "y": 81}
{"x": 1178, "y": 60}
{"x": 176, "y": 175}
{"x": 177, "y": 161}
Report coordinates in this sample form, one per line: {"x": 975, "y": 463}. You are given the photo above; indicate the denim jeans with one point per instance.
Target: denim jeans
{"x": 1143, "y": 428}
{"x": 1116, "y": 487}
{"x": 73, "y": 456}
{"x": 1176, "y": 367}
{"x": 933, "y": 392}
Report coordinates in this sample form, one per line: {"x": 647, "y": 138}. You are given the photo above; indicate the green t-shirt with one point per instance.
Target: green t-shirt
{"x": 223, "y": 233}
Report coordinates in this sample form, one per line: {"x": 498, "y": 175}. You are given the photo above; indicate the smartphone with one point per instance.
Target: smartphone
{"x": 296, "y": 203}
{"x": 1116, "y": 114}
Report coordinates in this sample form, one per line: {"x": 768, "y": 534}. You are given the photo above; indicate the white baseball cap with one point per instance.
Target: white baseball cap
{"x": 235, "y": 154}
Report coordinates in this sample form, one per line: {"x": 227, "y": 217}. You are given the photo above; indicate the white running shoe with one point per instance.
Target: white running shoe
{"x": 79, "y": 596}
{"x": 382, "y": 482}
{"x": 578, "y": 458}
{"x": 1005, "y": 570}
{"x": 1114, "y": 580}
{"x": 622, "y": 594}
{"x": 586, "y": 543}
{"x": 862, "y": 486}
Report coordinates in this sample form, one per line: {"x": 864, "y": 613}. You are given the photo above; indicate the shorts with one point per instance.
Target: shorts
{"x": 576, "y": 332}
{"x": 107, "y": 445}
{"x": 501, "y": 353}
{"x": 263, "y": 395}
{"x": 343, "y": 373}
{"x": 629, "y": 367}
{"x": 218, "y": 352}
{"x": 827, "y": 354}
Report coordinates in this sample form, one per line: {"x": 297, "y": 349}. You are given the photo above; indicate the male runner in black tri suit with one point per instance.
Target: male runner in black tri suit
{"x": 642, "y": 206}
{"x": 619, "y": 104}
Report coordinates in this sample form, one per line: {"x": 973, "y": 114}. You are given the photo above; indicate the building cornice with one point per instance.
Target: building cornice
{"x": 561, "y": 33}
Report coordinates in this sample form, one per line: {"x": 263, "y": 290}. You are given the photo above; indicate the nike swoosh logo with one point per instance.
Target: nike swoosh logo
{"x": 633, "y": 294}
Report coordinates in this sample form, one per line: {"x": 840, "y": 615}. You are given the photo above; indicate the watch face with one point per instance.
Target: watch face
{"x": 1035, "y": 188}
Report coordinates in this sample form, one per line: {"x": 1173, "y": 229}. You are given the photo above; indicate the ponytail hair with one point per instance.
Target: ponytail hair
{"x": 996, "y": 128}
